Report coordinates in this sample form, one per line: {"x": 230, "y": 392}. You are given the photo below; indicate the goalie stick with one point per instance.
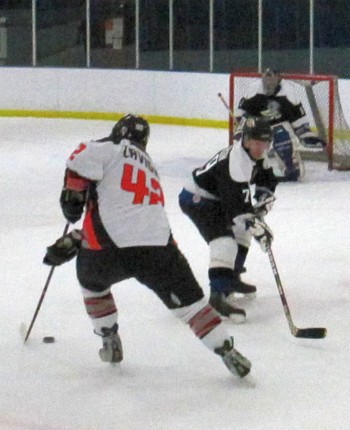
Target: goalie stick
{"x": 25, "y": 333}
{"x": 221, "y": 97}
{"x": 308, "y": 333}
{"x": 232, "y": 117}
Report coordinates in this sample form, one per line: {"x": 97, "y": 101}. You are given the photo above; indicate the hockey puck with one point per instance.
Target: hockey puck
{"x": 48, "y": 339}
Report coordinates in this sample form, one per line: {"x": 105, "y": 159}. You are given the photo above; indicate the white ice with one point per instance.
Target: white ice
{"x": 168, "y": 379}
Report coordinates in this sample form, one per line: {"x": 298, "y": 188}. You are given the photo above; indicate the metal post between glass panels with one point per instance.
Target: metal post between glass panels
{"x": 171, "y": 34}
{"x": 260, "y": 27}
{"x": 34, "y": 38}
{"x": 311, "y": 16}
{"x": 211, "y": 35}
{"x": 88, "y": 33}
{"x": 137, "y": 34}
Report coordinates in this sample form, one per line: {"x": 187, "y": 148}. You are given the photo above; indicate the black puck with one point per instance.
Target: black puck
{"x": 48, "y": 339}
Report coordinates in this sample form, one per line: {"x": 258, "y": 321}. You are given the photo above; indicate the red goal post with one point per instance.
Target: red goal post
{"x": 320, "y": 98}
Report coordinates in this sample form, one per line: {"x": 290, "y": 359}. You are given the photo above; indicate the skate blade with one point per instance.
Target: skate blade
{"x": 237, "y": 318}
{"x": 233, "y": 298}
{"x": 110, "y": 356}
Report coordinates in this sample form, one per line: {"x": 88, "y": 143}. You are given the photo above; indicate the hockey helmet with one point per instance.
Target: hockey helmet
{"x": 133, "y": 128}
{"x": 270, "y": 80}
{"x": 258, "y": 128}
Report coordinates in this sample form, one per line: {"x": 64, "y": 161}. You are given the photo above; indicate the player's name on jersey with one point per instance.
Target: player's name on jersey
{"x": 136, "y": 154}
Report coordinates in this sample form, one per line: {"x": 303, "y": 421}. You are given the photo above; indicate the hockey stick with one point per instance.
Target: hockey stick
{"x": 309, "y": 333}
{"x": 224, "y": 102}
{"x": 232, "y": 118}
{"x": 42, "y": 295}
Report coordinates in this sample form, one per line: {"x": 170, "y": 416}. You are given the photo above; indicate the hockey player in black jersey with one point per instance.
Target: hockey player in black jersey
{"x": 277, "y": 101}
{"x": 218, "y": 201}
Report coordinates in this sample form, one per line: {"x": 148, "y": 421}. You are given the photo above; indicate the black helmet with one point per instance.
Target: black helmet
{"x": 131, "y": 127}
{"x": 257, "y": 127}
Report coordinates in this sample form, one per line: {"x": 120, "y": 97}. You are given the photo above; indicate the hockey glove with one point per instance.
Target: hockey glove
{"x": 264, "y": 204}
{"x": 64, "y": 249}
{"x": 72, "y": 204}
{"x": 261, "y": 232}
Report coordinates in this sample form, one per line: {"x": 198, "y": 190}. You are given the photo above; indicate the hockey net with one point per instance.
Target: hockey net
{"x": 320, "y": 98}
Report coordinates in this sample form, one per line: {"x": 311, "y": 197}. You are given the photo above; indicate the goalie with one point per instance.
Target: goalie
{"x": 287, "y": 117}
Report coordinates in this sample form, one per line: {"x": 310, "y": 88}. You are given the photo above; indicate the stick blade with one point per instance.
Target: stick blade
{"x": 311, "y": 333}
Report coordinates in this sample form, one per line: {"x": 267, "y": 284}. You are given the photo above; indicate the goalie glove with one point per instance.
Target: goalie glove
{"x": 261, "y": 232}
{"x": 64, "y": 249}
{"x": 313, "y": 142}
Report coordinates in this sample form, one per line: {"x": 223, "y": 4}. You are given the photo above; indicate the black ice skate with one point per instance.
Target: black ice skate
{"x": 112, "y": 351}
{"x": 236, "y": 363}
{"x": 219, "y": 303}
{"x": 240, "y": 287}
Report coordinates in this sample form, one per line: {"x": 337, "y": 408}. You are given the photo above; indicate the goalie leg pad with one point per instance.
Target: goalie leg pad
{"x": 286, "y": 152}
{"x": 283, "y": 145}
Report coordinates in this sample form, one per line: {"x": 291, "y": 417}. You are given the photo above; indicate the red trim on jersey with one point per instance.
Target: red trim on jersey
{"x": 89, "y": 231}
{"x": 75, "y": 182}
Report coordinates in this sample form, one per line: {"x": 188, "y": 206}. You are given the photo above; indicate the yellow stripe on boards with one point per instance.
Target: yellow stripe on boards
{"x": 108, "y": 116}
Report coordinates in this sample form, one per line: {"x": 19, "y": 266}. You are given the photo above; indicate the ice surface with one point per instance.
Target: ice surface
{"x": 168, "y": 380}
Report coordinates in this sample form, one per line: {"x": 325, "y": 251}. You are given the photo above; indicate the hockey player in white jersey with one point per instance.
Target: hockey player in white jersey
{"x": 126, "y": 234}
{"x": 218, "y": 200}
{"x": 276, "y": 99}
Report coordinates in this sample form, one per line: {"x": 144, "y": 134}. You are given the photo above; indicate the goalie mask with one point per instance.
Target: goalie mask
{"x": 270, "y": 81}
{"x": 133, "y": 128}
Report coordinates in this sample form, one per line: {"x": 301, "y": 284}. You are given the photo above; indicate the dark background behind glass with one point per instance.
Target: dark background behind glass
{"x": 61, "y": 35}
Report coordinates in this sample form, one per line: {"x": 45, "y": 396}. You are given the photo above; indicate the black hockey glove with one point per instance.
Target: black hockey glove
{"x": 72, "y": 204}
{"x": 261, "y": 232}
{"x": 64, "y": 249}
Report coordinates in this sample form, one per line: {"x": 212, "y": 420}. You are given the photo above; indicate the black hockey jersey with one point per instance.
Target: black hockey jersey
{"x": 229, "y": 177}
{"x": 279, "y": 108}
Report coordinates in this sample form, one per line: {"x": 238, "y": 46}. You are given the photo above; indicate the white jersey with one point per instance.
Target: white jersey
{"x": 129, "y": 195}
